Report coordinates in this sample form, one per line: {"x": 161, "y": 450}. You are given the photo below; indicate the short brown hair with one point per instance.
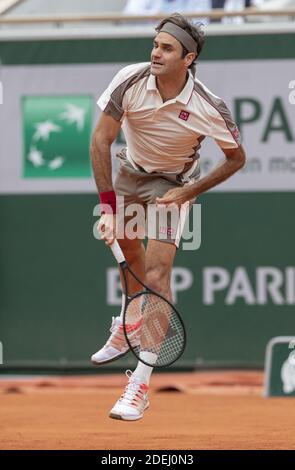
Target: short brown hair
{"x": 194, "y": 30}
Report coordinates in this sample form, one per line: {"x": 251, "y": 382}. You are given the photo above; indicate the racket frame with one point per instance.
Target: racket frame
{"x": 125, "y": 267}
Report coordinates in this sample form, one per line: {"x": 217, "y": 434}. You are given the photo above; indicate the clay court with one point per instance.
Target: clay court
{"x": 205, "y": 410}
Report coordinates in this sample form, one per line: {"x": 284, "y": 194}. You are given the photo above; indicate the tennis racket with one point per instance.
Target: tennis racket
{"x": 153, "y": 328}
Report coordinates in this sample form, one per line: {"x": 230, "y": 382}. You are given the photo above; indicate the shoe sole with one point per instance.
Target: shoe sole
{"x": 95, "y": 363}
{"x": 124, "y": 418}
{"x": 127, "y": 418}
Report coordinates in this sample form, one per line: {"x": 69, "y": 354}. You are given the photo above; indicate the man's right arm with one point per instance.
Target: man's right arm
{"x": 104, "y": 135}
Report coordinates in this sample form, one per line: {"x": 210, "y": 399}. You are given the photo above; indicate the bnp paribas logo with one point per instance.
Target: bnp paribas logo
{"x": 56, "y": 132}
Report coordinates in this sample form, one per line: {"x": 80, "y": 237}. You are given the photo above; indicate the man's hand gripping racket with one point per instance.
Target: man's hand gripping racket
{"x": 152, "y": 326}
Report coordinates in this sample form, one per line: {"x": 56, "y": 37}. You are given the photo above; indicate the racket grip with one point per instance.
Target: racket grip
{"x": 117, "y": 252}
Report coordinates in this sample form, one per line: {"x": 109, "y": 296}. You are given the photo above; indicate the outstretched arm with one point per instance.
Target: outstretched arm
{"x": 235, "y": 159}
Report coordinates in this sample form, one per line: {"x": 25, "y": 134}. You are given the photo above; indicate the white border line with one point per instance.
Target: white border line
{"x": 130, "y": 31}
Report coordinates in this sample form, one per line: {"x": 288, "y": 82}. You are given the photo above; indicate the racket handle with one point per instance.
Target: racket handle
{"x": 117, "y": 252}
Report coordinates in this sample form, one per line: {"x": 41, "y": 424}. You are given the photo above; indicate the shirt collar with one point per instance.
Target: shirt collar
{"x": 151, "y": 83}
{"x": 184, "y": 95}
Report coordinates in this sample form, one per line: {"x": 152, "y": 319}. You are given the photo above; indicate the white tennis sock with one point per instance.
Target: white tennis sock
{"x": 123, "y": 305}
{"x": 143, "y": 371}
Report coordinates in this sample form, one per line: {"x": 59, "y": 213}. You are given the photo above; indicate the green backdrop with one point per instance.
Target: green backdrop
{"x": 53, "y": 301}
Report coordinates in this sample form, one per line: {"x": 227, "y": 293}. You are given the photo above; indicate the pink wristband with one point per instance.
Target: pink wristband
{"x": 108, "y": 202}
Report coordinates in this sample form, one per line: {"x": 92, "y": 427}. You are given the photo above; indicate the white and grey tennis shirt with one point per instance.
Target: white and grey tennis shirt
{"x": 163, "y": 137}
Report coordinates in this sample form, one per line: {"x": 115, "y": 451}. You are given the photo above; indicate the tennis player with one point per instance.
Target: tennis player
{"x": 165, "y": 113}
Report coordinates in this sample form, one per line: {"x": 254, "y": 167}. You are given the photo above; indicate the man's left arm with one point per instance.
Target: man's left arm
{"x": 234, "y": 160}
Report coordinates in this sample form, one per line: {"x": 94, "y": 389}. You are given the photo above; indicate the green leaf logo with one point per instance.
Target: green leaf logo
{"x": 57, "y": 131}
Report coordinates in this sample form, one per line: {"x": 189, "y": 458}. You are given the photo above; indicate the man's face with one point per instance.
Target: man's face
{"x": 166, "y": 56}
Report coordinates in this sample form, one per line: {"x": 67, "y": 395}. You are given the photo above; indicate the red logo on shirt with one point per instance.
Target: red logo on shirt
{"x": 184, "y": 115}
{"x": 236, "y": 133}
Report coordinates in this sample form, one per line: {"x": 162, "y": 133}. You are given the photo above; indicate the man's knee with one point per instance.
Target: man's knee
{"x": 158, "y": 277}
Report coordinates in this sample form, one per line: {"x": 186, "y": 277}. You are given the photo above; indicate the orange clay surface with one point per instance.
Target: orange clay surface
{"x": 204, "y": 410}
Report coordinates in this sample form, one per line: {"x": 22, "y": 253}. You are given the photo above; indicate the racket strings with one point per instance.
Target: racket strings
{"x": 160, "y": 332}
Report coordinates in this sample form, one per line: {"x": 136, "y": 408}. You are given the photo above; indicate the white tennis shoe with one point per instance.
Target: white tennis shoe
{"x": 134, "y": 400}
{"x": 117, "y": 346}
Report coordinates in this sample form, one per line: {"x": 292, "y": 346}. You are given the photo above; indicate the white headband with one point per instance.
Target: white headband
{"x": 181, "y": 35}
